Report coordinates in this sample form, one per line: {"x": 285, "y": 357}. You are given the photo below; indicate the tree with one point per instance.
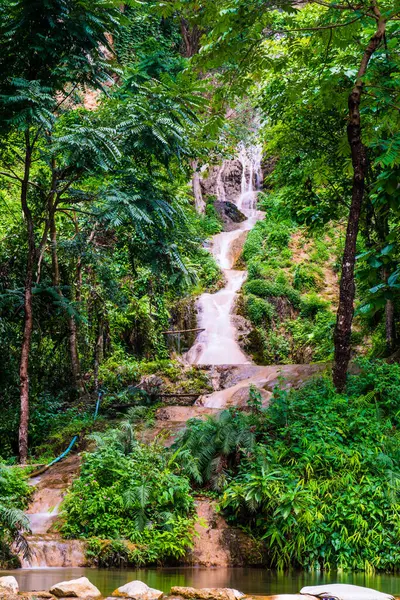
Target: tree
{"x": 48, "y": 50}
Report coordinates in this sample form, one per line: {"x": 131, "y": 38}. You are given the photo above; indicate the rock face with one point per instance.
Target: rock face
{"x": 206, "y": 593}
{"x": 8, "y": 585}
{"x": 219, "y": 545}
{"x": 50, "y": 551}
{"x": 76, "y": 588}
{"x": 343, "y": 591}
{"x": 229, "y": 174}
{"x": 137, "y": 590}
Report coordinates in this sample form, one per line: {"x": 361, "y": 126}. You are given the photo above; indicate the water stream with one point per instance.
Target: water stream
{"x": 248, "y": 580}
{"x": 217, "y": 344}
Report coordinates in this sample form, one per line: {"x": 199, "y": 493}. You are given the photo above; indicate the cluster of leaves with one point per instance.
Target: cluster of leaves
{"x": 134, "y": 492}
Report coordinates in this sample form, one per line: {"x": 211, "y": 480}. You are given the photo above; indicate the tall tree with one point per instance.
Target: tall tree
{"x": 48, "y": 49}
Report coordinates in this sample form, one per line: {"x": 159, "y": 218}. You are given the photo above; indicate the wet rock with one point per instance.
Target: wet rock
{"x": 206, "y": 593}
{"x": 137, "y": 590}
{"x": 230, "y": 214}
{"x": 76, "y": 588}
{"x": 344, "y": 591}
{"x": 8, "y": 585}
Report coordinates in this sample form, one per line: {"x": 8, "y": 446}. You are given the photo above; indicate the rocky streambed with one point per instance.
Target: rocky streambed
{"x": 83, "y": 589}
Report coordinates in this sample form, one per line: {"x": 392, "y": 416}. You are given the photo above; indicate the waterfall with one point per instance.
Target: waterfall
{"x": 220, "y": 189}
{"x": 250, "y": 158}
{"x": 218, "y": 344}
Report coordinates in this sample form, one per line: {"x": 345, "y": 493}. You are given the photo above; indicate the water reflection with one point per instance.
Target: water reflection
{"x": 247, "y": 580}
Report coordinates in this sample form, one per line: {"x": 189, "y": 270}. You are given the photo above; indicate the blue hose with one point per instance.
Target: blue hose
{"x": 96, "y": 412}
{"x": 73, "y": 441}
{"x": 64, "y": 453}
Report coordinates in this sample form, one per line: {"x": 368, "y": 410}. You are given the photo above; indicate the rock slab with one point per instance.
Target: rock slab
{"x": 137, "y": 590}
{"x": 76, "y": 588}
{"x": 206, "y": 593}
{"x": 343, "y": 591}
{"x": 8, "y": 585}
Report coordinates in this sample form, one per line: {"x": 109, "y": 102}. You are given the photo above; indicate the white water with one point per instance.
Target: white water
{"x": 217, "y": 344}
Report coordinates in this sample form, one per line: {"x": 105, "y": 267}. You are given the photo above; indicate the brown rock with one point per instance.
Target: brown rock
{"x": 206, "y": 593}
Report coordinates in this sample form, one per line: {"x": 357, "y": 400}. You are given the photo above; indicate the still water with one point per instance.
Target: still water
{"x": 247, "y": 580}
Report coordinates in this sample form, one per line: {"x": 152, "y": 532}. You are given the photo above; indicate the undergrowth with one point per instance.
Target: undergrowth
{"x": 282, "y": 296}
{"x": 315, "y": 476}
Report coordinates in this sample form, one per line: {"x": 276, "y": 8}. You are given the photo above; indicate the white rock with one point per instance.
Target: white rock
{"x": 76, "y": 588}
{"x": 292, "y": 597}
{"x": 8, "y": 585}
{"x": 138, "y": 591}
{"x": 344, "y": 591}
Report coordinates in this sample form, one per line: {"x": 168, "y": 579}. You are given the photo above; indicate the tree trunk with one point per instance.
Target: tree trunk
{"x": 24, "y": 364}
{"x": 390, "y": 327}
{"x": 54, "y": 254}
{"x": 199, "y": 203}
{"x": 98, "y": 353}
{"x": 28, "y": 313}
{"x": 345, "y": 311}
{"x": 191, "y": 38}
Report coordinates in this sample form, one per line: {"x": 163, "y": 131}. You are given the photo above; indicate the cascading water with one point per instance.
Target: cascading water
{"x": 218, "y": 344}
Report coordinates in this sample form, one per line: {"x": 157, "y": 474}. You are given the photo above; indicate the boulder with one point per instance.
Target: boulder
{"x": 137, "y": 590}
{"x": 206, "y": 593}
{"x": 8, "y": 585}
{"x": 344, "y": 591}
{"x": 289, "y": 597}
{"x": 230, "y": 214}
{"x": 36, "y": 596}
{"x": 76, "y": 588}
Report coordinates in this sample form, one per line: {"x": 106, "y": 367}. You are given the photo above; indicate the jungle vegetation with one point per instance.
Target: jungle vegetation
{"x": 108, "y": 113}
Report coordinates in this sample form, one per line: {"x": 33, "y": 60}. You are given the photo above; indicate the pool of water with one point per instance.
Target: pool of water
{"x": 248, "y": 580}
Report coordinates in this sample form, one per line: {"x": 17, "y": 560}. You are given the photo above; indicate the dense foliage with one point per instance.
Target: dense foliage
{"x": 132, "y": 492}
{"x": 315, "y": 476}
{"x": 14, "y": 495}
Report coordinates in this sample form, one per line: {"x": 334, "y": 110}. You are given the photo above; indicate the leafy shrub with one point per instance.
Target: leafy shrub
{"x": 151, "y": 546}
{"x": 311, "y": 337}
{"x": 311, "y": 304}
{"x": 278, "y": 236}
{"x": 132, "y": 491}
{"x": 210, "y": 223}
{"x": 14, "y": 489}
{"x": 259, "y": 310}
{"x": 254, "y": 242}
{"x": 275, "y": 347}
{"x": 265, "y": 237}
{"x": 14, "y": 495}
{"x": 209, "y": 449}
{"x": 321, "y": 485}
{"x": 268, "y": 289}
{"x": 307, "y": 277}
